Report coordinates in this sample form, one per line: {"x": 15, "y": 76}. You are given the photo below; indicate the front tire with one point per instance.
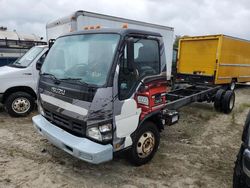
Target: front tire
{"x": 145, "y": 144}
{"x": 19, "y": 104}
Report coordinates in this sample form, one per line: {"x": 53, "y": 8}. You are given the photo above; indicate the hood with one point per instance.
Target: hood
{"x": 13, "y": 72}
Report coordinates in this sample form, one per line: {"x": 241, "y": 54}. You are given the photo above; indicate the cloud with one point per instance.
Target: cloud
{"x": 194, "y": 17}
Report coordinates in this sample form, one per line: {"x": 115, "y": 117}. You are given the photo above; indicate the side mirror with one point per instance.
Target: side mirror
{"x": 51, "y": 42}
{"x": 40, "y": 61}
{"x": 130, "y": 54}
{"x": 39, "y": 64}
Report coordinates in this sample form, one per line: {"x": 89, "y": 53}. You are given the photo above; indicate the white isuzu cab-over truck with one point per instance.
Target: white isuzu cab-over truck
{"x": 18, "y": 82}
{"x": 86, "y": 100}
{"x": 105, "y": 90}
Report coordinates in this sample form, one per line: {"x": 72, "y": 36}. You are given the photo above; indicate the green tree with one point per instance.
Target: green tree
{"x": 176, "y": 41}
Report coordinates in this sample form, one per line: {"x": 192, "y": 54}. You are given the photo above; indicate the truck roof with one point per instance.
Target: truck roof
{"x": 211, "y": 36}
{"x": 14, "y": 35}
{"x": 74, "y": 16}
{"x": 42, "y": 46}
{"x": 118, "y": 31}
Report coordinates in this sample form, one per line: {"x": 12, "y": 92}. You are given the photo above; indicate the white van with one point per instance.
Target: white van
{"x": 19, "y": 82}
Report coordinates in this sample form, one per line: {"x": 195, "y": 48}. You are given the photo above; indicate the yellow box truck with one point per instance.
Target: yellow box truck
{"x": 215, "y": 59}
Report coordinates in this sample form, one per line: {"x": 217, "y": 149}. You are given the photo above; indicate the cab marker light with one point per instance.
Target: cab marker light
{"x": 125, "y": 26}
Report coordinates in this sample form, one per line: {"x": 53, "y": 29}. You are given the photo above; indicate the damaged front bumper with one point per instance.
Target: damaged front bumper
{"x": 79, "y": 147}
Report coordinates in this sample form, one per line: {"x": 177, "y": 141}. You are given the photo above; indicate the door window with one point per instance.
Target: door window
{"x": 147, "y": 63}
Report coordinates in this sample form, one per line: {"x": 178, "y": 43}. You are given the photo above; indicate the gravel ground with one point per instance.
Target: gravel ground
{"x": 199, "y": 151}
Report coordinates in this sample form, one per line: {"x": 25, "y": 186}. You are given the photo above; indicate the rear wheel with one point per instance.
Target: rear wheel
{"x": 217, "y": 100}
{"x": 19, "y": 104}
{"x": 228, "y": 101}
{"x": 145, "y": 144}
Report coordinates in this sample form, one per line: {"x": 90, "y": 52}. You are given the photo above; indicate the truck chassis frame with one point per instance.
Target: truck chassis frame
{"x": 194, "y": 93}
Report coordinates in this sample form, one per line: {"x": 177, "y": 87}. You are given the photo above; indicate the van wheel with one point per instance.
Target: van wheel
{"x": 19, "y": 104}
{"x": 217, "y": 100}
{"x": 228, "y": 101}
{"x": 145, "y": 144}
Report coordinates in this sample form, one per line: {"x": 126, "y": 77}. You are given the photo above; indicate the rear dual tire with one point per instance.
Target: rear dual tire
{"x": 228, "y": 102}
{"x": 217, "y": 101}
{"x": 224, "y": 101}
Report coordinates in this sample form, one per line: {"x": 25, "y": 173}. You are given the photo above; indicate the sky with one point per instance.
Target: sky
{"x": 188, "y": 17}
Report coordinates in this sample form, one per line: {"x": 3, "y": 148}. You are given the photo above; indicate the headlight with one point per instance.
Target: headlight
{"x": 40, "y": 108}
{"x": 105, "y": 128}
{"x": 100, "y": 132}
{"x": 94, "y": 133}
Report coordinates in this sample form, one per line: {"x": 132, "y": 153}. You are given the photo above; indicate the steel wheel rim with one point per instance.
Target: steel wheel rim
{"x": 145, "y": 144}
{"x": 21, "y": 105}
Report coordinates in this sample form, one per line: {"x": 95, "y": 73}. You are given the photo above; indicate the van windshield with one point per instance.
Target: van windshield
{"x": 82, "y": 58}
{"x": 27, "y": 58}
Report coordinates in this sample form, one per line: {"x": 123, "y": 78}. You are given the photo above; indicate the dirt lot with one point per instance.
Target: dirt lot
{"x": 197, "y": 152}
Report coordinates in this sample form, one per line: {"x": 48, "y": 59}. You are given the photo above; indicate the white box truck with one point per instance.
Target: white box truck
{"x": 80, "y": 19}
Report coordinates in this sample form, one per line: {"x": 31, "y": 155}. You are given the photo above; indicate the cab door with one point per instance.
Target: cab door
{"x": 146, "y": 63}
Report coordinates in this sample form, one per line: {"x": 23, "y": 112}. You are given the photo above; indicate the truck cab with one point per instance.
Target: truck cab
{"x": 102, "y": 91}
{"x": 19, "y": 82}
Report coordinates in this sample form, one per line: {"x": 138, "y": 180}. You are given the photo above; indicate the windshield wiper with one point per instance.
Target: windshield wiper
{"x": 70, "y": 79}
{"x": 16, "y": 65}
{"x": 51, "y": 75}
{"x": 79, "y": 80}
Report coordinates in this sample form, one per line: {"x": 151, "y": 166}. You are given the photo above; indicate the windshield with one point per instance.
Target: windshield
{"x": 83, "y": 58}
{"x": 27, "y": 58}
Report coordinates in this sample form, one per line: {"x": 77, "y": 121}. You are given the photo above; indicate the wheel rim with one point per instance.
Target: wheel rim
{"x": 21, "y": 105}
{"x": 231, "y": 104}
{"x": 145, "y": 144}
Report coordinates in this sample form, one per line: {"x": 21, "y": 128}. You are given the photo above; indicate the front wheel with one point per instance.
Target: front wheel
{"x": 19, "y": 104}
{"x": 217, "y": 99}
{"x": 145, "y": 144}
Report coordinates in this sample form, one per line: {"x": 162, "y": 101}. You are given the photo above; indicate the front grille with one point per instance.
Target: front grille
{"x": 68, "y": 124}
